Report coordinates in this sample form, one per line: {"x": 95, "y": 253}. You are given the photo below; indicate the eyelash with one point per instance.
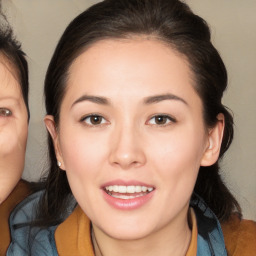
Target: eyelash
{"x": 99, "y": 118}
{"x": 5, "y": 112}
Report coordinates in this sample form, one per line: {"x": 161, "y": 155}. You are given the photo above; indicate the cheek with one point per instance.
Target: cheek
{"x": 84, "y": 158}
{"x": 13, "y": 139}
{"x": 177, "y": 161}
{"x": 8, "y": 139}
{"x": 177, "y": 156}
{"x": 180, "y": 146}
{"x": 82, "y": 154}
{"x": 12, "y": 156}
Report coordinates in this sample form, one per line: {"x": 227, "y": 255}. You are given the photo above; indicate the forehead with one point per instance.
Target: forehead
{"x": 140, "y": 64}
{"x": 130, "y": 49}
{"x": 8, "y": 75}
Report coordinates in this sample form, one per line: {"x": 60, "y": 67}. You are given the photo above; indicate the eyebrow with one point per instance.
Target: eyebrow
{"x": 147, "y": 100}
{"x": 8, "y": 98}
{"x": 162, "y": 97}
{"x": 94, "y": 99}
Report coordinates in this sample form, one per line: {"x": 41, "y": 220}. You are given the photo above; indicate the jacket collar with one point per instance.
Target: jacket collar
{"x": 210, "y": 240}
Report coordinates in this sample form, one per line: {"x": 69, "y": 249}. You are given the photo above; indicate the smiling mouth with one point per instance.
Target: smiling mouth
{"x": 127, "y": 192}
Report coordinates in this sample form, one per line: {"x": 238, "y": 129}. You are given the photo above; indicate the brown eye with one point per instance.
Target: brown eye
{"x": 161, "y": 120}
{"x": 94, "y": 120}
{"x": 5, "y": 112}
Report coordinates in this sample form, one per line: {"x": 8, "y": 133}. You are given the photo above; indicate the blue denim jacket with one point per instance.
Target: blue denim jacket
{"x": 210, "y": 240}
{"x": 27, "y": 241}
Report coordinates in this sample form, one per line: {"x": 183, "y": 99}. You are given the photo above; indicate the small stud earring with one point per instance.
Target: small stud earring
{"x": 59, "y": 163}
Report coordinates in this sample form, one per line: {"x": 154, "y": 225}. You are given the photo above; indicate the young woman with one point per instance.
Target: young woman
{"x": 14, "y": 115}
{"x": 133, "y": 99}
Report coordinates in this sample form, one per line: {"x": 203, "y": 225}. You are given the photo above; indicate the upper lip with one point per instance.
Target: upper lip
{"x": 126, "y": 183}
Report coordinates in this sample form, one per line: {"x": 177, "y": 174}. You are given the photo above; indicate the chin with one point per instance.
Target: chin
{"x": 126, "y": 231}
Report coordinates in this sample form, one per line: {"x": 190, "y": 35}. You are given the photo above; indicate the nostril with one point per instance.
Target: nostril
{"x": 126, "y": 162}
{"x": 126, "y": 152}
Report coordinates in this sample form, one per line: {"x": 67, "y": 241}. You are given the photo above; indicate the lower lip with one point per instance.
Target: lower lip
{"x": 128, "y": 204}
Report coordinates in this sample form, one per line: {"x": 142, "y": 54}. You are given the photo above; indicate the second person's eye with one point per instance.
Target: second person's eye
{"x": 5, "y": 112}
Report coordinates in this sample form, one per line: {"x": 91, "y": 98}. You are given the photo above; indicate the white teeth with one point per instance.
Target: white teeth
{"x": 125, "y": 197}
{"x": 138, "y": 189}
{"x": 128, "y": 189}
{"x": 122, "y": 189}
{"x": 144, "y": 189}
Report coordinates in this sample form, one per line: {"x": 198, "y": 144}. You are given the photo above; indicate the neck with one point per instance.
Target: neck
{"x": 172, "y": 239}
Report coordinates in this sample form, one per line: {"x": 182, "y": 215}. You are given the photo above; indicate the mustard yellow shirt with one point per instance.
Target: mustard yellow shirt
{"x": 239, "y": 236}
{"x": 73, "y": 236}
{"x": 18, "y": 194}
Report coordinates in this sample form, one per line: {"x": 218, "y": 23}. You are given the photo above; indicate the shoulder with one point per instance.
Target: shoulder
{"x": 20, "y": 220}
{"x": 210, "y": 240}
{"x": 239, "y": 236}
{"x": 21, "y": 191}
{"x": 24, "y": 212}
{"x": 22, "y": 188}
{"x": 27, "y": 238}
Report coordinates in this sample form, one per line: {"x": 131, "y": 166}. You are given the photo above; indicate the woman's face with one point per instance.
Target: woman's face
{"x": 13, "y": 129}
{"x": 131, "y": 136}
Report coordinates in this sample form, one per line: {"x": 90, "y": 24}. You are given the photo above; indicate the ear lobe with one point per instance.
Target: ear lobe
{"x": 51, "y": 127}
{"x": 215, "y": 136}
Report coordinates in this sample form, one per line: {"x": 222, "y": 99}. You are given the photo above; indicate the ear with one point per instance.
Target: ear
{"x": 213, "y": 146}
{"x": 51, "y": 127}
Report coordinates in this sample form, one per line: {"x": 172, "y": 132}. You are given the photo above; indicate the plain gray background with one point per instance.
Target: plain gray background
{"x": 39, "y": 24}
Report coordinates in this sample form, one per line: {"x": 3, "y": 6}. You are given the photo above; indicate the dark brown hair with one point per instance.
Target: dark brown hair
{"x": 172, "y": 22}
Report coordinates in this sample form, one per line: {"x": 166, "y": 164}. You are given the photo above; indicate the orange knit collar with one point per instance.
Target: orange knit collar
{"x": 73, "y": 236}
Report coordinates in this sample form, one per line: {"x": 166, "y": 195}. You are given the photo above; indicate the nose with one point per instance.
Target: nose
{"x": 127, "y": 149}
